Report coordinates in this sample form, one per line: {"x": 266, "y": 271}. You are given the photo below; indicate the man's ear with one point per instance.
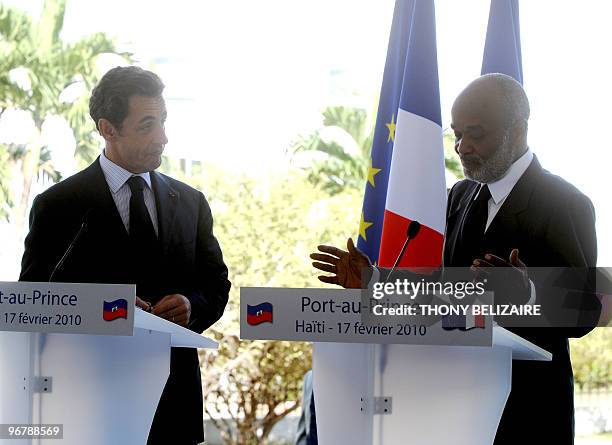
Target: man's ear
{"x": 107, "y": 130}
{"x": 520, "y": 130}
{"x": 518, "y": 134}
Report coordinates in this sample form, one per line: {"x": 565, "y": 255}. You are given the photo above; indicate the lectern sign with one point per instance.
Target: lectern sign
{"x": 344, "y": 316}
{"x": 72, "y": 308}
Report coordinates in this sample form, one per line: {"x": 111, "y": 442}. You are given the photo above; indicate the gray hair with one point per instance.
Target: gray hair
{"x": 515, "y": 99}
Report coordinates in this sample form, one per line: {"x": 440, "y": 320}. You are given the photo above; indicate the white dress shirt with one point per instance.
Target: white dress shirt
{"x": 500, "y": 190}
{"x": 116, "y": 178}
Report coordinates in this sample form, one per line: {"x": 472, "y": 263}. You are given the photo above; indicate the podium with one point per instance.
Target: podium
{"x": 427, "y": 395}
{"x": 373, "y": 389}
{"x": 103, "y": 389}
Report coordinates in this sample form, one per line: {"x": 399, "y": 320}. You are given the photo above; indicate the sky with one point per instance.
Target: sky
{"x": 244, "y": 78}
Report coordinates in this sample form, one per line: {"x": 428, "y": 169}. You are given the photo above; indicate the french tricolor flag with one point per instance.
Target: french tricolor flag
{"x": 417, "y": 185}
{"x": 502, "y": 51}
{"x": 406, "y": 175}
{"x": 463, "y": 322}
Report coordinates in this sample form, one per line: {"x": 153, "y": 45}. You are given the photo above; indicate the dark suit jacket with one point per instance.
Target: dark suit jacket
{"x": 190, "y": 263}
{"x": 306, "y": 432}
{"x": 552, "y": 224}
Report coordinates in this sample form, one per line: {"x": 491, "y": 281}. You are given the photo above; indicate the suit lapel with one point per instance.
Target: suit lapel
{"x": 97, "y": 194}
{"x": 166, "y": 200}
{"x": 508, "y": 217}
{"x": 505, "y": 223}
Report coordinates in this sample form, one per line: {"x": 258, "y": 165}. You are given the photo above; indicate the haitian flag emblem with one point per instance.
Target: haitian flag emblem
{"x": 115, "y": 309}
{"x": 259, "y": 313}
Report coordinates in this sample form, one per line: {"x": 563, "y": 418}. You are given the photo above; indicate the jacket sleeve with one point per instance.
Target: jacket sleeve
{"x": 571, "y": 240}
{"x": 210, "y": 291}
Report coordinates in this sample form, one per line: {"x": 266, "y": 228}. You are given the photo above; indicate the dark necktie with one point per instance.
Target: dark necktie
{"x": 142, "y": 233}
{"x": 475, "y": 222}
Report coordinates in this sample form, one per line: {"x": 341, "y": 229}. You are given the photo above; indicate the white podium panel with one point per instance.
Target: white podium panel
{"x": 441, "y": 394}
{"x": 103, "y": 389}
{"x": 436, "y": 394}
{"x": 107, "y": 407}
{"x": 342, "y": 376}
{"x": 15, "y": 380}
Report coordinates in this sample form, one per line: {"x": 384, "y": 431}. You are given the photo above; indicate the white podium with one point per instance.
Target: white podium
{"x": 386, "y": 386}
{"x": 410, "y": 394}
{"x": 103, "y": 389}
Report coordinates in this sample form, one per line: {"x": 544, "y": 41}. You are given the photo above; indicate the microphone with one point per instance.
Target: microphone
{"x": 76, "y": 238}
{"x": 413, "y": 230}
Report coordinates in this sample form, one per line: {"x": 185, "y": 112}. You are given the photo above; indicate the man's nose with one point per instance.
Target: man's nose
{"x": 162, "y": 139}
{"x": 463, "y": 147}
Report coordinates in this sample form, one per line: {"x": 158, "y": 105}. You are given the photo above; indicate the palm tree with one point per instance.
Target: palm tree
{"x": 36, "y": 67}
{"x": 6, "y": 200}
{"x": 336, "y": 155}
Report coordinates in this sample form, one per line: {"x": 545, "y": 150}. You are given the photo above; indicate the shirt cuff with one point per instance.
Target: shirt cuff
{"x": 375, "y": 276}
{"x": 532, "y": 297}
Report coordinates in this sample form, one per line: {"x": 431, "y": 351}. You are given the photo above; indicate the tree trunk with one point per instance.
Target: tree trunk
{"x": 29, "y": 167}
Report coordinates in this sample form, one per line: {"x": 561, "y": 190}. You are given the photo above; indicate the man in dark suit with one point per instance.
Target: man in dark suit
{"x": 509, "y": 204}
{"x": 306, "y": 431}
{"x": 138, "y": 226}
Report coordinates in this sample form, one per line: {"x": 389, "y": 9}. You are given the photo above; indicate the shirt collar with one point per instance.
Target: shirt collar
{"x": 503, "y": 186}
{"x": 116, "y": 176}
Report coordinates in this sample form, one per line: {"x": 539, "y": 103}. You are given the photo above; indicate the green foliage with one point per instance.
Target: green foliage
{"x": 266, "y": 228}
{"x": 36, "y": 69}
{"x": 5, "y": 191}
{"x": 355, "y": 121}
{"x": 253, "y": 383}
{"x": 84, "y": 130}
{"x": 592, "y": 359}
{"x": 50, "y": 65}
{"x": 336, "y": 155}
{"x": 451, "y": 159}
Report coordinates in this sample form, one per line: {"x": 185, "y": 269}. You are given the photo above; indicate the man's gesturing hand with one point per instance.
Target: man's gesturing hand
{"x": 175, "y": 308}
{"x": 517, "y": 270}
{"x": 346, "y": 267}
{"x": 510, "y": 279}
{"x": 142, "y": 304}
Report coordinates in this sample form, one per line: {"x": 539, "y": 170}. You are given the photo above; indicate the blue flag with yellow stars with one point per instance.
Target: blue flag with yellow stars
{"x": 373, "y": 212}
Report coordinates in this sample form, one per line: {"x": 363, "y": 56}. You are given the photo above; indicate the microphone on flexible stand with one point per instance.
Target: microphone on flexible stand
{"x": 413, "y": 230}
{"x": 82, "y": 229}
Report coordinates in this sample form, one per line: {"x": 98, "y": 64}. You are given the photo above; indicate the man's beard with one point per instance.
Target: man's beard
{"x": 492, "y": 169}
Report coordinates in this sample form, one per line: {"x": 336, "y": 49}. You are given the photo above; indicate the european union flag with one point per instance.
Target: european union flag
{"x": 373, "y": 213}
